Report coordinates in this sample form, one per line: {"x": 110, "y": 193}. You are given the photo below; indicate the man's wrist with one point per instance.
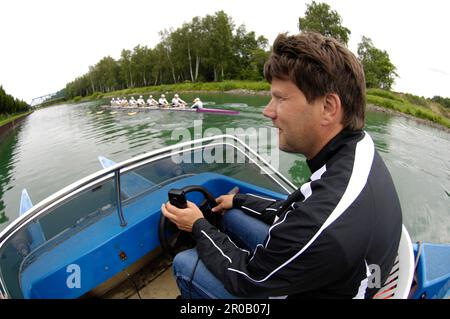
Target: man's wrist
{"x": 198, "y": 226}
{"x": 238, "y": 200}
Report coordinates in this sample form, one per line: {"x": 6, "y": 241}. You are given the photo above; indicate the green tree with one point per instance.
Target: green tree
{"x": 218, "y": 35}
{"x": 378, "y": 69}
{"x": 444, "y": 101}
{"x": 249, "y": 54}
{"x": 81, "y": 86}
{"x": 125, "y": 68}
{"x": 196, "y": 45}
{"x": 149, "y": 60}
{"x": 320, "y": 18}
{"x": 141, "y": 65}
{"x": 204, "y": 49}
{"x": 166, "y": 43}
{"x": 11, "y": 105}
{"x": 108, "y": 71}
{"x": 181, "y": 52}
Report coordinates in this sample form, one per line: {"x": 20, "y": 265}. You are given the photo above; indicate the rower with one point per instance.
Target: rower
{"x": 124, "y": 102}
{"x": 132, "y": 102}
{"x": 151, "y": 101}
{"x": 177, "y": 101}
{"x": 140, "y": 101}
{"x": 113, "y": 102}
{"x": 198, "y": 104}
{"x": 162, "y": 101}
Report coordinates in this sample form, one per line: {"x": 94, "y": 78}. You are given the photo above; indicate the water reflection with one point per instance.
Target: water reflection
{"x": 8, "y": 151}
{"x": 299, "y": 172}
{"x": 377, "y": 123}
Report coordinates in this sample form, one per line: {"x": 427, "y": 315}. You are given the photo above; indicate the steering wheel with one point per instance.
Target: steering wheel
{"x": 174, "y": 240}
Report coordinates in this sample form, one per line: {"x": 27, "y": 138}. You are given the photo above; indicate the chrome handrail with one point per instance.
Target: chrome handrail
{"x": 123, "y": 223}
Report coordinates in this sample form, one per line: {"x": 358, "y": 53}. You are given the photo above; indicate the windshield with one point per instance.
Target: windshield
{"x": 97, "y": 204}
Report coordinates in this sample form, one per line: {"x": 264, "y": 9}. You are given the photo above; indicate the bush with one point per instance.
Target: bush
{"x": 418, "y": 100}
{"x": 444, "y": 101}
{"x": 228, "y": 86}
{"x": 380, "y": 101}
{"x": 97, "y": 95}
{"x": 385, "y": 94}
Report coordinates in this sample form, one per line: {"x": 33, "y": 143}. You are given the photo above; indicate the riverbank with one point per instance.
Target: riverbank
{"x": 396, "y": 103}
{"x": 411, "y": 106}
{"x": 244, "y": 87}
{"x": 8, "y": 122}
{"x": 377, "y": 108}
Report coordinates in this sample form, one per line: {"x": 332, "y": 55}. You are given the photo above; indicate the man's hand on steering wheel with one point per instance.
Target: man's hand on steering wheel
{"x": 175, "y": 222}
{"x": 224, "y": 202}
{"x": 185, "y": 218}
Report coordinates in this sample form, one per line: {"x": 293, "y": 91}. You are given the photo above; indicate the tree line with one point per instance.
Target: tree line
{"x": 445, "y": 101}
{"x": 209, "y": 48}
{"x": 212, "y": 48}
{"x": 11, "y": 105}
{"x": 379, "y": 71}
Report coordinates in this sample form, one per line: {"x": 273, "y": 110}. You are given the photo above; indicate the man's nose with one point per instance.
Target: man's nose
{"x": 269, "y": 110}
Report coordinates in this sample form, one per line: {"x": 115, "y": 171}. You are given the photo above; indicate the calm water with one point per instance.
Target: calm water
{"x": 56, "y": 146}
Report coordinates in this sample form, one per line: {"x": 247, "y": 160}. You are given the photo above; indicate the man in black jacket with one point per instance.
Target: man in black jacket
{"x": 323, "y": 241}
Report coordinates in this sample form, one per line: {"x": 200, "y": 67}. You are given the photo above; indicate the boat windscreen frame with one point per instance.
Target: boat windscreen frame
{"x": 123, "y": 167}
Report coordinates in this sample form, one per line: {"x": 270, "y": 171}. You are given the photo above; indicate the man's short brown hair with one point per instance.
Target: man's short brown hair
{"x": 319, "y": 65}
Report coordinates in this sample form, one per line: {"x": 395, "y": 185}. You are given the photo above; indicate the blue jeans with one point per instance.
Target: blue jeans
{"x": 245, "y": 231}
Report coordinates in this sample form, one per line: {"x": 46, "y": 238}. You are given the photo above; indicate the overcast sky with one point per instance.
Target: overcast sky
{"x": 47, "y": 43}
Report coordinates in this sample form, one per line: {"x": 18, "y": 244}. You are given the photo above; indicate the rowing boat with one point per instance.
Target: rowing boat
{"x": 172, "y": 109}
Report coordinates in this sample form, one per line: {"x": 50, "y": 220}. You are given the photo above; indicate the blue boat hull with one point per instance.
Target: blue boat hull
{"x": 104, "y": 248}
{"x": 433, "y": 271}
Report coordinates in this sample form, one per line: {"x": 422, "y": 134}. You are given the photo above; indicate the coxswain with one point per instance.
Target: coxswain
{"x": 198, "y": 104}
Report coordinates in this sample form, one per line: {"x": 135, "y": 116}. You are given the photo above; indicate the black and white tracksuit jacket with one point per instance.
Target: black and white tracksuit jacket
{"x": 345, "y": 218}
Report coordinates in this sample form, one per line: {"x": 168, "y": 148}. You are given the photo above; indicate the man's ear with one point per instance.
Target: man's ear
{"x": 332, "y": 109}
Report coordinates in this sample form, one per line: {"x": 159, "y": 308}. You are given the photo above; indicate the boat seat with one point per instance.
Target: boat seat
{"x": 398, "y": 284}
{"x": 432, "y": 275}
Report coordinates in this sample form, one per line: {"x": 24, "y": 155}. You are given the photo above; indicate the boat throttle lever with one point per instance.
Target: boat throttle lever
{"x": 170, "y": 237}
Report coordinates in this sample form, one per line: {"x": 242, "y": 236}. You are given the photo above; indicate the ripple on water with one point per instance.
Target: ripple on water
{"x": 235, "y": 105}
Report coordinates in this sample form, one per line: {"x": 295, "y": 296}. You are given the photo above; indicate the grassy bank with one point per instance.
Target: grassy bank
{"x": 410, "y": 104}
{"x": 182, "y": 87}
{"x": 6, "y": 118}
{"x": 405, "y": 103}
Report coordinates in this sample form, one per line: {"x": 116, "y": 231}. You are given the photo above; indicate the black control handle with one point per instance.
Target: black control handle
{"x": 177, "y": 198}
